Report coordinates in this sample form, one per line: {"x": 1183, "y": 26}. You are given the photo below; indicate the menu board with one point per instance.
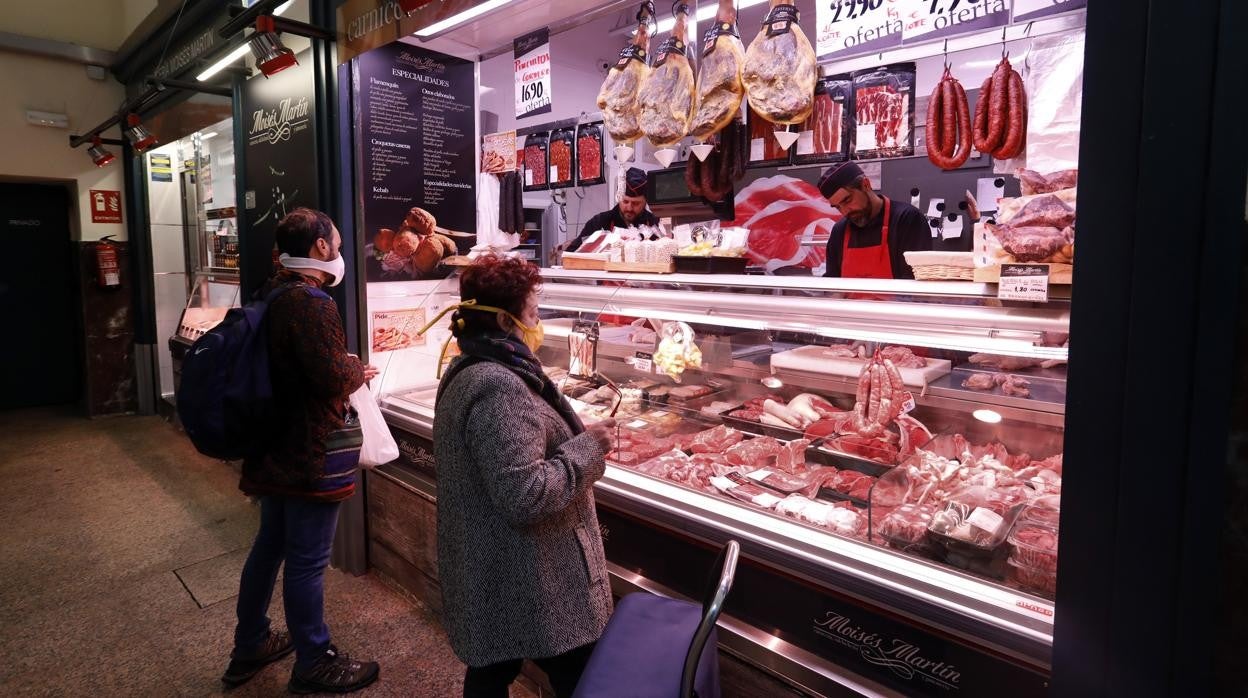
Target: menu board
{"x": 417, "y": 150}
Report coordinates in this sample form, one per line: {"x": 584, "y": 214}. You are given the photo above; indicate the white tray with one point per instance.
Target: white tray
{"x": 816, "y": 359}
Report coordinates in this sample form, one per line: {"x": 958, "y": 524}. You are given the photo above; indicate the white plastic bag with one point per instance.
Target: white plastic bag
{"x": 379, "y": 446}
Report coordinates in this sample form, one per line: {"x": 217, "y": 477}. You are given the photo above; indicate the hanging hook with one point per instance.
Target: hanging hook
{"x": 946, "y": 52}
{"x": 1004, "y": 54}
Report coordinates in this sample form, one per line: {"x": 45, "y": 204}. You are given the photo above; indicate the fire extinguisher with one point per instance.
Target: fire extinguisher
{"x": 107, "y": 270}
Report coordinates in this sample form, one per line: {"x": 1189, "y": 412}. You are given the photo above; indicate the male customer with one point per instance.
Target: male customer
{"x": 299, "y": 481}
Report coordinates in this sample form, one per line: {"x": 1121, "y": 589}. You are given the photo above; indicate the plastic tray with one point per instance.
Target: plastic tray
{"x": 691, "y": 264}
{"x": 728, "y": 265}
{"x": 1029, "y": 554}
{"x": 1037, "y": 580}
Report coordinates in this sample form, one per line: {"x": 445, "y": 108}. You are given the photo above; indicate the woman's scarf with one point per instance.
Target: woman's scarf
{"x": 509, "y": 351}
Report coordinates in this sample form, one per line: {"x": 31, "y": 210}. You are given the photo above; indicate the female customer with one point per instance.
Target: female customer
{"x": 522, "y": 569}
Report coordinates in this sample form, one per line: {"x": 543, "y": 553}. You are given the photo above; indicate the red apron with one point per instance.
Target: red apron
{"x": 868, "y": 262}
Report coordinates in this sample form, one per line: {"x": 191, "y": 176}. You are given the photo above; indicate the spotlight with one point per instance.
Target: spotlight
{"x": 139, "y": 136}
{"x": 271, "y": 56}
{"x": 99, "y": 155}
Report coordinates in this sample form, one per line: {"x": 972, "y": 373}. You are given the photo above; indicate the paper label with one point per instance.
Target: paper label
{"x": 644, "y": 362}
{"x": 865, "y": 137}
{"x": 987, "y": 191}
{"x": 985, "y": 519}
{"x": 658, "y": 414}
{"x": 554, "y": 174}
{"x": 908, "y": 404}
{"x": 925, "y": 20}
{"x": 1028, "y": 10}
{"x": 637, "y": 424}
{"x": 759, "y": 475}
{"x": 722, "y": 483}
{"x": 766, "y": 500}
{"x": 806, "y": 143}
{"x": 757, "y": 148}
{"x": 951, "y": 228}
{"x": 933, "y": 210}
{"x": 1024, "y": 282}
{"x": 528, "y": 177}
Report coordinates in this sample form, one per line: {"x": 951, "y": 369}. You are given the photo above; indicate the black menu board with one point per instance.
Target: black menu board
{"x": 415, "y": 110}
{"x": 279, "y": 116}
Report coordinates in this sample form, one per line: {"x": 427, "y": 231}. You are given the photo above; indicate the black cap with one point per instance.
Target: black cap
{"x": 635, "y": 182}
{"x": 839, "y": 176}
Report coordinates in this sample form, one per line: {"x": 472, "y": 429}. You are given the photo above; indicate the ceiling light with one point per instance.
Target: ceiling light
{"x": 238, "y": 52}
{"x": 458, "y": 19}
{"x": 139, "y": 136}
{"x": 99, "y": 154}
{"x": 989, "y": 416}
{"x": 266, "y": 46}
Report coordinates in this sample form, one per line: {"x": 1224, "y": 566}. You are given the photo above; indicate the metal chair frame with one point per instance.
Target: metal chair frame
{"x": 712, "y": 603}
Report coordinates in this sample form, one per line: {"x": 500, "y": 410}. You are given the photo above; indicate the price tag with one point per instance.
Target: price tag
{"x": 554, "y": 174}
{"x": 985, "y": 519}
{"x": 532, "y": 73}
{"x": 757, "y": 149}
{"x": 852, "y": 27}
{"x": 644, "y": 362}
{"x": 908, "y": 405}
{"x": 806, "y": 143}
{"x": 865, "y": 139}
{"x": 951, "y": 228}
{"x": 637, "y": 424}
{"x": 759, "y": 475}
{"x": 926, "y": 20}
{"x": 1024, "y": 282}
{"x": 528, "y": 177}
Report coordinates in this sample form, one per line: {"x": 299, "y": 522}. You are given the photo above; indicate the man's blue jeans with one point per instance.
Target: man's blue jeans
{"x": 300, "y": 533}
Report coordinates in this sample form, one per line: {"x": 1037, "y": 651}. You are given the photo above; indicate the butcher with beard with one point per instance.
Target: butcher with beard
{"x": 871, "y": 239}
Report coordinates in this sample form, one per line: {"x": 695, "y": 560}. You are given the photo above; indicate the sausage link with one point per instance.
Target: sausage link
{"x": 693, "y": 175}
{"x": 949, "y": 117}
{"x": 1016, "y": 132}
{"x": 1000, "y": 103}
{"x": 743, "y": 148}
{"x": 981, "y": 117}
{"x": 935, "y": 125}
{"x": 964, "y": 127}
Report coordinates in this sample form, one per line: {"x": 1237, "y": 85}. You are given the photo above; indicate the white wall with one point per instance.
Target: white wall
{"x": 99, "y": 23}
{"x": 37, "y": 152}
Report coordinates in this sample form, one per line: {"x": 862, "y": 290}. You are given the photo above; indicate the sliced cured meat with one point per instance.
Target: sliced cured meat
{"x": 789, "y": 222}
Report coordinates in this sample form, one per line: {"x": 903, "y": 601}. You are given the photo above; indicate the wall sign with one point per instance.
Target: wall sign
{"x": 851, "y": 27}
{"x": 1028, "y": 10}
{"x": 925, "y": 20}
{"x": 161, "y": 167}
{"x": 278, "y": 115}
{"x": 532, "y": 70}
{"x": 417, "y": 149}
{"x": 105, "y": 206}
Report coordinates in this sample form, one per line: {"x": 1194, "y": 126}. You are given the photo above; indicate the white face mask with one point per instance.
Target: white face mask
{"x": 335, "y": 267}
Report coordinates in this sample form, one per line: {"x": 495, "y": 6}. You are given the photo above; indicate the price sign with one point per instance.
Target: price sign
{"x": 644, "y": 362}
{"x": 925, "y": 20}
{"x": 852, "y": 27}
{"x": 532, "y": 71}
{"x": 1024, "y": 282}
{"x": 1028, "y": 10}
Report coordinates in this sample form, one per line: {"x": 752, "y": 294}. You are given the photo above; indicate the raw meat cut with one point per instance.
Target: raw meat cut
{"x": 1016, "y": 386}
{"x": 779, "y": 72}
{"x": 870, "y": 448}
{"x": 1004, "y": 363}
{"x": 1032, "y": 243}
{"x": 847, "y": 351}
{"x": 788, "y": 220}
{"x": 980, "y": 381}
{"x": 782, "y": 482}
{"x": 903, "y": 357}
{"x": 618, "y": 96}
{"x": 1033, "y": 182}
{"x": 830, "y": 426}
{"x": 1043, "y": 211}
{"x": 716, "y": 440}
{"x": 666, "y": 97}
{"x": 663, "y": 465}
{"x": 764, "y": 452}
{"x": 906, "y": 525}
{"x": 719, "y": 76}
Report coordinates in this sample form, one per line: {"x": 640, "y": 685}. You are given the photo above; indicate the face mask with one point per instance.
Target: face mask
{"x": 532, "y": 337}
{"x": 335, "y": 267}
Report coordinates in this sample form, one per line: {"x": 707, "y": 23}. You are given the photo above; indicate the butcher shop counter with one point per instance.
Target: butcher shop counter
{"x": 830, "y": 608}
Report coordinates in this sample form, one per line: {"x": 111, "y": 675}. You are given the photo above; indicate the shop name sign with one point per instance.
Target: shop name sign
{"x": 422, "y": 67}
{"x": 276, "y": 125}
{"x": 364, "y": 25}
{"x": 905, "y": 659}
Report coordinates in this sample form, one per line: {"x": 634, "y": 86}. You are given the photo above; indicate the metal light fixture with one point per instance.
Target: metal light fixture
{"x": 139, "y": 136}
{"x": 271, "y": 56}
{"x": 99, "y": 154}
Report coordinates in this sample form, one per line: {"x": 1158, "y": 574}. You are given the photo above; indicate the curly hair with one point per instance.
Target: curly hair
{"x": 500, "y": 282}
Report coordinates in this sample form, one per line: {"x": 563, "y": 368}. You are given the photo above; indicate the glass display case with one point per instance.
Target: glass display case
{"x": 212, "y": 295}
{"x": 895, "y": 447}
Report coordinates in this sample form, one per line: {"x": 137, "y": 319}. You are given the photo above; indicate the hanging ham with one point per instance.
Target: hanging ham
{"x": 667, "y": 94}
{"x": 779, "y": 72}
{"x": 719, "y": 76}
{"x": 618, "y": 97}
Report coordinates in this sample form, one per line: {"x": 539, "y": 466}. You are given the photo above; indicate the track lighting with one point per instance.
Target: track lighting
{"x": 99, "y": 154}
{"x": 139, "y": 136}
{"x": 271, "y": 56}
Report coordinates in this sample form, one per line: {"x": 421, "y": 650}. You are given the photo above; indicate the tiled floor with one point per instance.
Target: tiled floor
{"x": 121, "y": 550}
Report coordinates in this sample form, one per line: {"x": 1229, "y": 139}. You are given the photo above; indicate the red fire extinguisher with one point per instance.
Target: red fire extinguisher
{"x": 107, "y": 270}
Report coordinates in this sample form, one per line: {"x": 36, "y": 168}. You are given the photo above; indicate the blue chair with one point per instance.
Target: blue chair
{"x": 656, "y": 647}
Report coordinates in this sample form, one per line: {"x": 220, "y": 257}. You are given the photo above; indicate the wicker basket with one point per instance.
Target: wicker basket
{"x": 942, "y": 266}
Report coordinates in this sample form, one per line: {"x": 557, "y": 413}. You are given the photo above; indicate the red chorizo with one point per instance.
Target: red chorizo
{"x": 1016, "y": 115}
{"x": 1000, "y": 104}
{"x": 935, "y": 124}
{"x": 981, "y": 117}
{"x": 964, "y": 127}
{"x": 949, "y": 117}
{"x": 693, "y": 175}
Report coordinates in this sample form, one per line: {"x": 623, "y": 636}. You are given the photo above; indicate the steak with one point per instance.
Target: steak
{"x": 719, "y": 76}
{"x": 667, "y": 93}
{"x": 779, "y": 72}
{"x": 618, "y": 97}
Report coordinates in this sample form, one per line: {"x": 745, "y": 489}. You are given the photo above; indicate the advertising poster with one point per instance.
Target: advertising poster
{"x": 418, "y": 161}
{"x": 852, "y": 27}
{"x": 532, "y": 54}
{"x": 397, "y": 329}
